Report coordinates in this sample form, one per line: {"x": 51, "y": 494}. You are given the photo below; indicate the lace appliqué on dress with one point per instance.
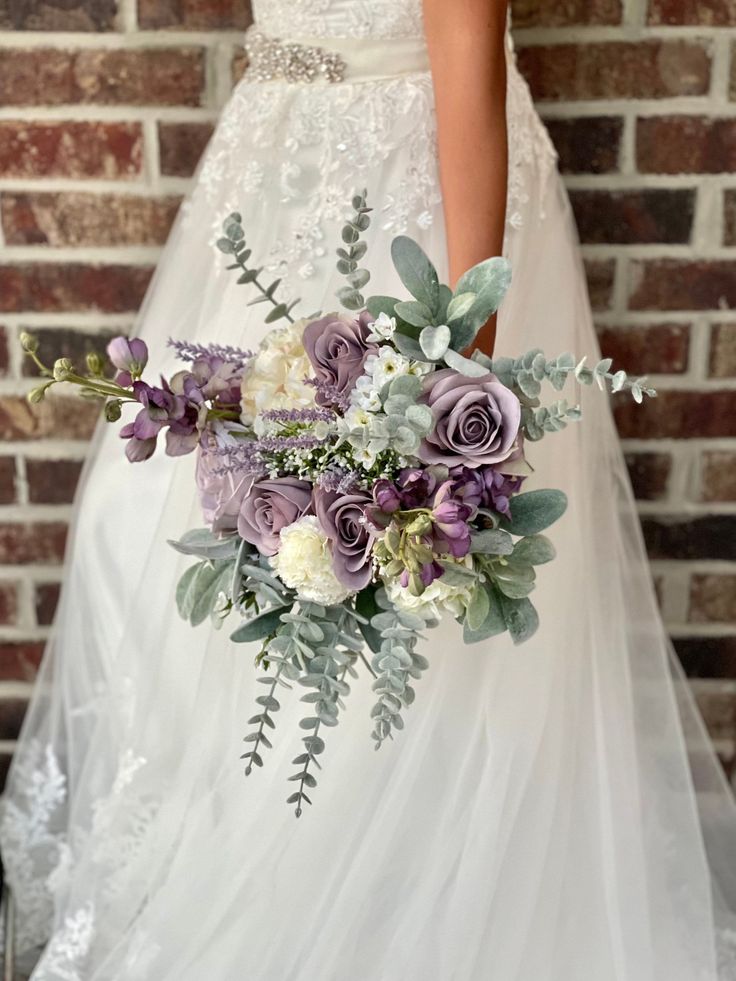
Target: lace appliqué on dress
{"x": 308, "y": 148}
{"x": 341, "y": 18}
{"x": 64, "y": 957}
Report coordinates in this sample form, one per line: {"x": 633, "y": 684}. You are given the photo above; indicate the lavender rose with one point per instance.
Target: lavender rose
{"x": 269, "y": 506}
{"x": 476, "y": 420}
{"x": 337, "y": 349}
{"x": 220, "y": 494}
{"x": 342, "y": 517}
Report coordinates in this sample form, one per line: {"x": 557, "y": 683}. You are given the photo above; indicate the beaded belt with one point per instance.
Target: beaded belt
{"x": 345, "y": 60}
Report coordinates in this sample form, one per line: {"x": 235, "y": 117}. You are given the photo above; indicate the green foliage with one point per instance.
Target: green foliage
{"x": 233, "y": 244}
{"x": 534, "y": 511}
{"x": 351, "y": 296}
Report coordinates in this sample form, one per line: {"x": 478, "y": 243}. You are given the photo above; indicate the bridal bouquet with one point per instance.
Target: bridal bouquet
{"x": 360, "y": 479}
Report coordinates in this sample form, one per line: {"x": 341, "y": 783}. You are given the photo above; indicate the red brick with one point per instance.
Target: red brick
{"x": 559, "y": 13}
{"x": 55, "y": 287}
{"x": 7, "y": 480}
{"x": 600, "y": 275}
{"x": 712, "y": 598}
{"x": 194, "y": 15}
{"x": 113, "y": 151}
{"x": 685, "y": 145}
{"x": 679, "y": 284}
{"x": 4, "y": 353}
{"x": 719, "y": 475}
{"x": 30, "y": 542}
{"x": 649, "y": 474}
{"x": 729, "y": 217}
{"x": 616, "y": 70}
{"x": 12, "y": 713}
{"x": 20, "y": 661}
{"x": 46, "y": 601}
{"x": 659, "y": 349}
{"x": 57, "y": 417}
{"x": 712, "y": 537}
{"x": 65, "y": 342}
{"x": 707, "y": 657}
{"x": 180, "y": 147}
{"x": 58, "y": 15}
{"x": 8, "y": 603}
{"x": 673, "y": 414}
{"x": 587, "y": 145}
{"x": 654, "y": 215}
{"x": 79, "y": 219}
{"x": 723, "y": 351}
{"x": 52, "y": 481}
{"x": 701, "y": 13}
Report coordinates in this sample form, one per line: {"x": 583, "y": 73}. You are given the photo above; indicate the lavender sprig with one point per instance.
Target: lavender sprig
{"x": 297, "y": 415}
{"x": 189, "y": 351}
{"x": 330, "y": 393}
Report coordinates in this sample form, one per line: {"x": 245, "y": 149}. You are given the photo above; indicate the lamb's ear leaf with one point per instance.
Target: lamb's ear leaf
{"x": 259, "y": 627}
{"x": 416, "y": 271}
{"x": 435, "y": 341}
{"x": 522, "y": 619}
{"x": 494, "y": 623}
{"x": 409, "y": 347}
{"x": 492, "y": 276}
{"x": 186, "y": 593}
{"x": 464, "y": 365}
{"x": 377, "y": 305}
{"x": 414, "y": 313}
{"x": 534, "y": 511}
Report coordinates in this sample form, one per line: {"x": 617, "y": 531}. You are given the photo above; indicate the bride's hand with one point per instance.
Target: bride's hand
{"x": 467, "y": 49}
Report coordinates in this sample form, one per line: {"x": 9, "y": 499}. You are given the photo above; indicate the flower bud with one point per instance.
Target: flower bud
{"x": 38, "y": 394}
{"x": 129, "y": 356}
{"x": 62, "y": 369}
{"x": 95, "y": 364}
{"x": 421, "y": 525}
{"x": 113, "y": 410}
{"x": 28, "y": 342}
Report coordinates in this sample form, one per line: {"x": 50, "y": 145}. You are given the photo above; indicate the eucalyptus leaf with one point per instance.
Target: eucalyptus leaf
{"x": 534, "y": 511}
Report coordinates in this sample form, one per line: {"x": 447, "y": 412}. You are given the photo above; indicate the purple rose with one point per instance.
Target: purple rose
{"x": 476, "y": 420}
{"x": 337, "y": 348}
{"x": 270, "y": 505}
{"x": 342, "y": 517}
{"x": 220, "y": 494}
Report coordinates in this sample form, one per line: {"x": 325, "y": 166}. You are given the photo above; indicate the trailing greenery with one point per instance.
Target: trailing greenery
{"x": 349, "y": 256}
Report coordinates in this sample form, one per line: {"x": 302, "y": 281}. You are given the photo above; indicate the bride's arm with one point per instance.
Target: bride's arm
{"x": 466, "y": 40}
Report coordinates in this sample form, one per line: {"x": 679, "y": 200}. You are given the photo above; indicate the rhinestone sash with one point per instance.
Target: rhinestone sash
{"x": 344, "y": 60}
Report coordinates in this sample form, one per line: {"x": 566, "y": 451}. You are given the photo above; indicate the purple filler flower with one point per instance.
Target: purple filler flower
{"x": 476, "y": 420}
{"x": 129, "y": 357}
{"x": 268, "y": 507}
{"x": 337, "y": 348}
{"x": 498, "y": 490}
{"x": 342, "y": 517}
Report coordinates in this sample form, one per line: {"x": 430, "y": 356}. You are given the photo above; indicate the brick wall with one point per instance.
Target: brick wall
{"x": 105, "y": 106}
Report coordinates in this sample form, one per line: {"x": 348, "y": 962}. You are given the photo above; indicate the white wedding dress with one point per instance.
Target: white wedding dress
{"x": 537, "y": 819}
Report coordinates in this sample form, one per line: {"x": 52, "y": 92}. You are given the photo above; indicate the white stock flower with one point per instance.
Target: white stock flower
{"x": 304, "y": 563}
{"x": 274, "y": 378}
{"x": 436, "y": 600}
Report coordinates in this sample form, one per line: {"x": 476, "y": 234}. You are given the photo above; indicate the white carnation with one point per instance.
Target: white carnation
{"x": 436, "y": 600}
{"x": 304, "y": 563}
{"x": 274, "y": 378}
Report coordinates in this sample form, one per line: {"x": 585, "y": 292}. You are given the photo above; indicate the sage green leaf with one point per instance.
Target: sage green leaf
{"x": 204, "y": 544}
{"x": 420, "y": 417}
{"x": 459, "y": 306}
{"x": 259, "y": 627}
{"x": 535, "y": 550}
{"x": 279, "y": 311}
{"x": 359, "y": 278}
{"x": 409, "y": 347}
{"x": 534, "y": 511}
{"x": 416, "y": 271}
{"x": 377, "y": 305}
{"x": 521, "y": 618}
{"x": 226, "y": 246}
{"x": 208, "y": 586}
{"x": 456, "y": 574}
{"x": 365, "y": 604}
{"x": 478, "y": 608}
{"x": 491, "y": 542}
{"x": 467, "y": 367}
{"x": 186, "y": 591}
{"x": 408, "y": 385}
{"x": 491, "y": 277}
{"x": 443, "y": 304}
{"x": 493, "y": 625}
{"x": 435, "y": 341}
{"x": 414, "y": 313}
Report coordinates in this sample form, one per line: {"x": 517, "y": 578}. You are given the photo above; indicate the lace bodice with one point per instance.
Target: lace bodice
{"x": 340, "y": 18}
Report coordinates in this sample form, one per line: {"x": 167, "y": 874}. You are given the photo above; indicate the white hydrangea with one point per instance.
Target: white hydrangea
{"x": 274, "y": 378}
{"x": 436, "y": 600}
{"x": 304, "y": 563}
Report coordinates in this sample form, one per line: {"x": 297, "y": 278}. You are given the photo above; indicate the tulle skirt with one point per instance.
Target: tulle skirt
{"x": 536, "y": 820}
